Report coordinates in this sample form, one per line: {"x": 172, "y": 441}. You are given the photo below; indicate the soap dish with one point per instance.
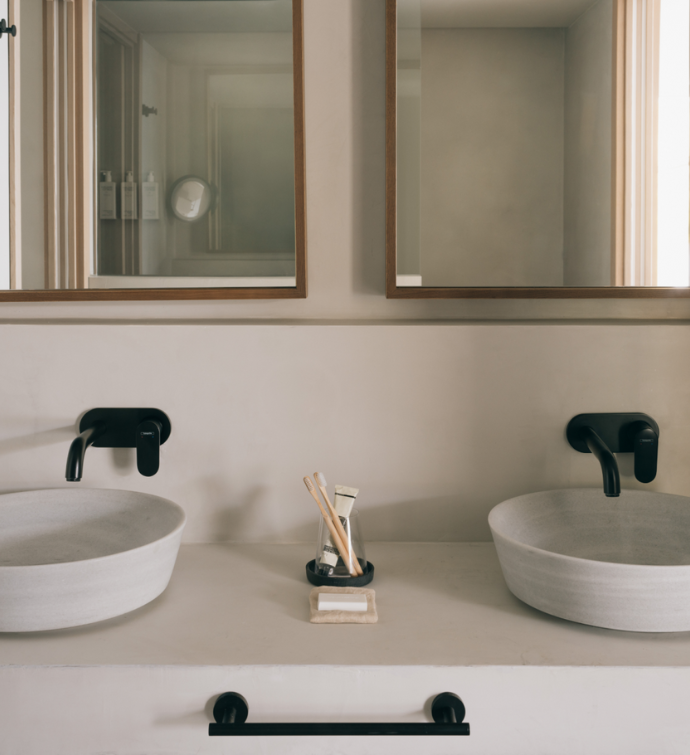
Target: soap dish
{"x": 370, "y": 616}
{"x": 320, "y": 581}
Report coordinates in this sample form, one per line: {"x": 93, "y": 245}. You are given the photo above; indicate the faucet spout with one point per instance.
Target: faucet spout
{"x": 609, "y": 465}
{"x": 75, "y": 457}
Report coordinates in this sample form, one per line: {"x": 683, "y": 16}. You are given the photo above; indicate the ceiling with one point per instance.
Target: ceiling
{"x": 441, "y": 14}
{"x": 203, "y": 16}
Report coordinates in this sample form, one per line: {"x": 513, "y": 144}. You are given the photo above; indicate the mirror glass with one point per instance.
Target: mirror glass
{"x": 194, "y": 150}
{"x": 211, "y": 144}
{"x": 543, "y": 143}
{"x": 190, "y": 199}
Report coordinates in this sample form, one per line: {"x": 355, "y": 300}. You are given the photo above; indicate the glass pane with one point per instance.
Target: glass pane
{"x": 504, "y": 143}
{"x": 527, "y": 159}
{"x": 195, "y": 143}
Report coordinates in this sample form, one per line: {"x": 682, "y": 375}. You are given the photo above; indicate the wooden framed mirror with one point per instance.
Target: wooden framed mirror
{"x": 537, "y": 149}
{"x": 174, "y": 149}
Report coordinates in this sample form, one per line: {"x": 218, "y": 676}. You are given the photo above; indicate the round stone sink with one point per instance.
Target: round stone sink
{"x": 72, "y": 556}
{"x": 617, "y": 563}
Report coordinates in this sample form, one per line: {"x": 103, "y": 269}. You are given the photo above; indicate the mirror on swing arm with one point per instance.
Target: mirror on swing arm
{"x": 187, "y": 176}
{"x": 538, "y": 148}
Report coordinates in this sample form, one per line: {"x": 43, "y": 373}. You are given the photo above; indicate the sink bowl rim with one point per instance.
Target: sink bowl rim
{"x": 98, "y": 559}
{"x": 612, "y": 565}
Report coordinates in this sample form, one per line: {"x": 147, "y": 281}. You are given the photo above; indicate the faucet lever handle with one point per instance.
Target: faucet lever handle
{"x": 148, "y": 447}
{"x": 646, "y": 450}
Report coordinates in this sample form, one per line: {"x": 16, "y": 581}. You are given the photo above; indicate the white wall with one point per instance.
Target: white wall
{"x": 492, "y": 157}
{"x": 588, "y": 90}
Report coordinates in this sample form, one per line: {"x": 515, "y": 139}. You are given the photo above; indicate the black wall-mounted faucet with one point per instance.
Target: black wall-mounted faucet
{"x": 143, "y": 429}
{"x": 149, "y": 432}
{"x": 606, "y": 434}
{"x": 75, "y": 457}
{"x": 609, "y": 465}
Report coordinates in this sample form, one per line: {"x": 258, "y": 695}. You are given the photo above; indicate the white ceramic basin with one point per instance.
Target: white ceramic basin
{"x": 73, "y": 556}
{"x": 618, "y": 563}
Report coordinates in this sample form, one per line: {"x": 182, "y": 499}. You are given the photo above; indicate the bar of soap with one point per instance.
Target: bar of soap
{"x": 370, "y": 616}
{"x": 341, "y": 602}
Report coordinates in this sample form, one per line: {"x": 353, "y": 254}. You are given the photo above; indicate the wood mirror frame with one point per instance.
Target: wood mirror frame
{"x": 68, "y": 99}
{"x": 393, "y": 291}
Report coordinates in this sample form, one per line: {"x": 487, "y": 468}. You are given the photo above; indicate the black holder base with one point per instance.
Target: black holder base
{"x": 319, "y": 581}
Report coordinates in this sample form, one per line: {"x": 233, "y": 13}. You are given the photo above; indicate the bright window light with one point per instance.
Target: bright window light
{"x": 673, "y": 166}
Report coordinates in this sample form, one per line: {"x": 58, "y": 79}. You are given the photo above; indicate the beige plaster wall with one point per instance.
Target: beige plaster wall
{"x": 492, "y": 157}
{"x": 345, "y": 120}
{"x": 434, "y": 423}
{"x": 588, "y": 143}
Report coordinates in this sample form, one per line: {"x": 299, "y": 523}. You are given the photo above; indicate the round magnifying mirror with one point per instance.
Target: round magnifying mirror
{"x": 191, "y": 198}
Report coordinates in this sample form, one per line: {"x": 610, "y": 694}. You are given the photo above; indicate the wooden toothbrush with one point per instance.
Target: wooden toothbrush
{"x": 353, "y": 561}
{"x": 331, "y": 527}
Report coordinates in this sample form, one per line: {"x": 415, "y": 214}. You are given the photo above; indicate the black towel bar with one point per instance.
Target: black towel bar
{"x": 231, "y": 711}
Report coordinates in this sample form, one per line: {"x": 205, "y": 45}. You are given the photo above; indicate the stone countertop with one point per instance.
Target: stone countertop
{"x": 439, "y": 604}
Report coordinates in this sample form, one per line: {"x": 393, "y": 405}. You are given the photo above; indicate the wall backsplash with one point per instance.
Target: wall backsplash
{"x": 434, "y": 423}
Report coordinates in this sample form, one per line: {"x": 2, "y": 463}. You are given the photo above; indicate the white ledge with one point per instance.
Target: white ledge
{"x": 185, "y": 281}
{"x": 408, "y": 281}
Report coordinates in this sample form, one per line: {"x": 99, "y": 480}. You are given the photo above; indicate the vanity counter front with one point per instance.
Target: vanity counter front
{"x": 235, "y": 618}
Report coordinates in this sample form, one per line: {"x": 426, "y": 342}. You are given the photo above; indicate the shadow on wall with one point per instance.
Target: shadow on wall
{"x": 124, "y": 461}
{"x": 37, "y": 440}
{"x": 440, "y": 519}
{"x": 437, "y": 520}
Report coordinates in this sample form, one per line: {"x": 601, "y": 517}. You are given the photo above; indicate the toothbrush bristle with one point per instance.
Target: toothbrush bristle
{"x": 309, "y": 484}
{"x": 320, "y": 479}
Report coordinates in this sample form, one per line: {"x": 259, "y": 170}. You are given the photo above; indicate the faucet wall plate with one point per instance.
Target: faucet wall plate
{"x": 120, "y": 425}
{"x": 616, "y": 430}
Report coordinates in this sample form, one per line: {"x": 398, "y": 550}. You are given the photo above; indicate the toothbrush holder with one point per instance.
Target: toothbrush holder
{"x": 328, "y": 568}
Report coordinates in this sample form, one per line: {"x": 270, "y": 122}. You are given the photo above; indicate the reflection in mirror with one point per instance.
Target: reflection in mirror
{"x": 190, "y": 199}
{"x": 185, "y": 169}
{"x": 541, "y": 143}
{"x": 211, "y": 144}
